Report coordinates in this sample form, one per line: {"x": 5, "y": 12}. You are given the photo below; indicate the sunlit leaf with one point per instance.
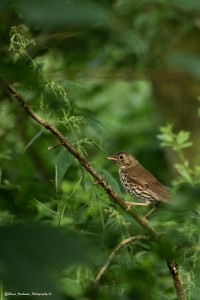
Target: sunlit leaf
{"x": 182, "y": 137}
{"x": 165, "y": 137}
{"x": 186, "y": 145}
{"x": 183, "y": 171}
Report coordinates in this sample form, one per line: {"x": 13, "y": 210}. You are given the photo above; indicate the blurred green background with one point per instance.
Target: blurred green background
{"x": 111, "y": 76}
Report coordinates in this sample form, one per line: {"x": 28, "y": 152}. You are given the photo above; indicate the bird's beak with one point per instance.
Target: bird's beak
{"x": 111, "y": 158}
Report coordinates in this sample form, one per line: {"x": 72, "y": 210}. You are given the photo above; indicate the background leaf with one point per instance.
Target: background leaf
{"x": 82, "y": 12}
{"x": 63, "y": 162}
{"x": 111, "y": 180}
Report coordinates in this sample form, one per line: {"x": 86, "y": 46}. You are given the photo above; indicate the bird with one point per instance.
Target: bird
{"x": 139, "y": 182}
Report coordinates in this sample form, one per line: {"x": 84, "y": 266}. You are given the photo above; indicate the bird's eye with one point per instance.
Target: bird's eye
{"x": 121, "y": 156}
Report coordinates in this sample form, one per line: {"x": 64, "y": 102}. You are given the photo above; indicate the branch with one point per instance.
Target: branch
{"x": 117, "y": 248}
{"x": 111, "y": 193}
{"x": 173, "y": 267}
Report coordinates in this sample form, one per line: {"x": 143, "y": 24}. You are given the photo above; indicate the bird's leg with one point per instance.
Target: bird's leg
{"x": 129, "y": 204}
{"x": 151, "y": 210}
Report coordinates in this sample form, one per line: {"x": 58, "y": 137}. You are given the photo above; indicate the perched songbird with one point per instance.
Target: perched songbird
{"x": 139, "y": 182}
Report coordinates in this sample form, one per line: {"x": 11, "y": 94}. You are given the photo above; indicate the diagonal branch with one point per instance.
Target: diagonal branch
{"x": 111, "y": 193}
{"x": 117, "y": 248}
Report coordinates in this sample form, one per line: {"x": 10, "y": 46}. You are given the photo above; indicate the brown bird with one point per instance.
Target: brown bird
{"x": 139, "y": 182}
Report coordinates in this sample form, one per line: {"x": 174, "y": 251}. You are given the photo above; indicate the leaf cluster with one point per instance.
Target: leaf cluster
{"x": 177, "y": 142}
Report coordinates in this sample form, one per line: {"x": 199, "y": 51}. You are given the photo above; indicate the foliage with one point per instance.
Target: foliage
{"x": 178, "y": 142}
{"x": 88, "y": 67}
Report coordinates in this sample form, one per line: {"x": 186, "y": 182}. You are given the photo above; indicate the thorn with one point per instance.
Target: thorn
{"x": 55, "y": 146}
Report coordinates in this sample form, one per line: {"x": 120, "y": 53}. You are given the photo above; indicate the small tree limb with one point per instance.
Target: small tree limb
{"x": 173, "y": 268}
{"x": 117, "y": 248}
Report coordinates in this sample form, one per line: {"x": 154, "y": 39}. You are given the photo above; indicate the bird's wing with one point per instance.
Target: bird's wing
{"x": 142, "y": 177}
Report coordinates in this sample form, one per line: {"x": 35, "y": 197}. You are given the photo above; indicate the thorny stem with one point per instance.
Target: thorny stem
{"x": 111, "y": 193}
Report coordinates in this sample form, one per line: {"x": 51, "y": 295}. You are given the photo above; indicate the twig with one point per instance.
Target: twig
{"x": 55, "y": 146}
{"x": 111, "y": 193}
{"x": 117, "y": 248}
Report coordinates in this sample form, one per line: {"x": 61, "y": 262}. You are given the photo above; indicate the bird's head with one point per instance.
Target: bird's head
{"x": 122, "y": 159}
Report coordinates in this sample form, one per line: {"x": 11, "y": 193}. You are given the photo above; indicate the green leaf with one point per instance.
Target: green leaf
{"x": 165, "y": 137}
{"x": 167, "y": 129}
{"x": 186, "y": 145}
{"x": 182, "y": 137}
{"x": 164, "y": 144}
{"x": 33, "y": 139}
{"x": 184, "y": 172}
{"x": 63, "y": 162}
{"x": 111, "y": 180}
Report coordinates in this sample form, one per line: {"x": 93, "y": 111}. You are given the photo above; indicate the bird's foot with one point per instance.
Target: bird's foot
{"x": 151, "y": 211}
{"x": 128, "y": 205}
